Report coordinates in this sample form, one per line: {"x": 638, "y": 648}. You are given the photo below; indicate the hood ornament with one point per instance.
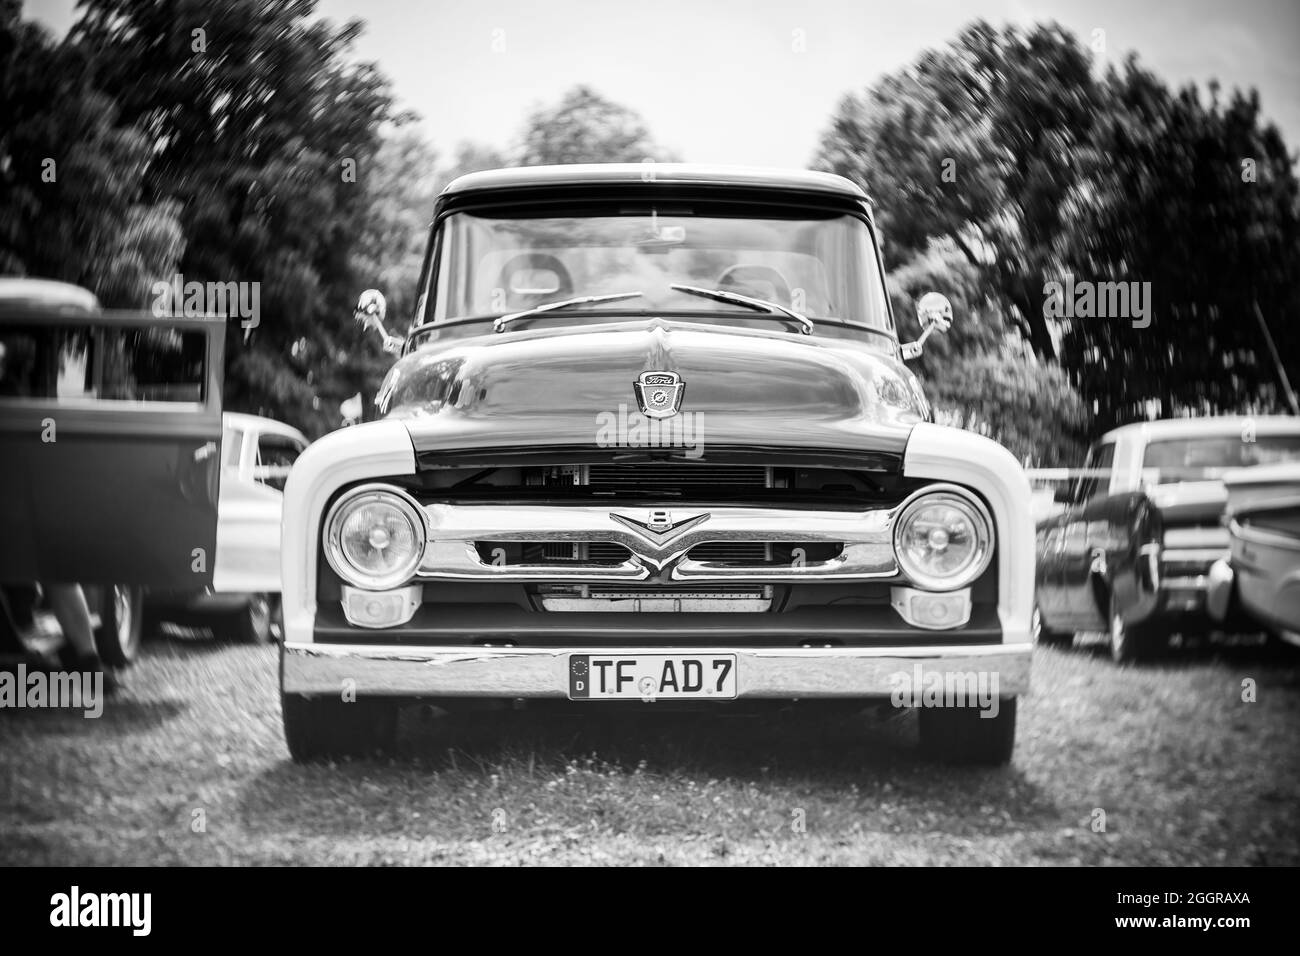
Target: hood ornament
{"x": 659, "y": 394}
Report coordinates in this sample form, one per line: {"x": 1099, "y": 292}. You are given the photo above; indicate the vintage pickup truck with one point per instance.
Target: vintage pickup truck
{"x": 650, "y": 441}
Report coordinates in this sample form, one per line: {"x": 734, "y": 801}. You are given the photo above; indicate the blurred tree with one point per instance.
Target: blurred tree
{"x": 264, "y": 131}
{"x": 587, "y": 128}
{"x": 980, "y": 375}
{"x": 980, "y": 143}
{"x": 1200, "y": 200}
{"x": 1017, "y": 398}
{"x": 472, "y": 158}
{"x": 1006, "y": 146}
{"x": 149, "y": 243}
{"x": 71, "y": 178}
{"x": 401, "y": 185}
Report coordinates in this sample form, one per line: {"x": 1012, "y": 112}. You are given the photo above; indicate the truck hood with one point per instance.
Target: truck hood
{"x": 571, "y": 387}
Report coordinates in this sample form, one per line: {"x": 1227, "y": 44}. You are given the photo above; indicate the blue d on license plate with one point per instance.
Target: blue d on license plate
{"x": 652, "y": 676}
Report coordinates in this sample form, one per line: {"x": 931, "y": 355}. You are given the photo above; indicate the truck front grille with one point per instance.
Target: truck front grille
{"x": 604, "y": 554}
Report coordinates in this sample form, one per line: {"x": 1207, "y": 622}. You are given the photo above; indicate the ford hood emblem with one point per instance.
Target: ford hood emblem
{"x": 659, "y": 394}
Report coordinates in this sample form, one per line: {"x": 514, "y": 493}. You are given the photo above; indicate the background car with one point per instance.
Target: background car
{"x": 1260, "y": 580}
{"x": 1131, "y": 550}
{"x": 243, "y": 603}
{"x": 110, "y": 430}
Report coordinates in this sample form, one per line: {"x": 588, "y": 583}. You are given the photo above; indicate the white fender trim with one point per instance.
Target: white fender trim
{"x": 373, "y": 450}
{"x": 940, "y": 453}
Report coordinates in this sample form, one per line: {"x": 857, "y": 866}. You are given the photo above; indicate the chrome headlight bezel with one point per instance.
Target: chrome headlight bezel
{"x": 981, "y": 523}
{"x": 343, "y": 507}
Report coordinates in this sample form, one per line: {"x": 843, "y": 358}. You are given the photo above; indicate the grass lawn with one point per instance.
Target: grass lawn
{"x": 189, "y": 766}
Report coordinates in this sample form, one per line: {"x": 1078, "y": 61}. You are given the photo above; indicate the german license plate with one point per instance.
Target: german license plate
{"x": 652, "y": 677}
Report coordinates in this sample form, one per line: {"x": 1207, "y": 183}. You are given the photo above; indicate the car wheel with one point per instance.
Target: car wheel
{"x": 121, "y": 619}
{"x": 960, "y": 735}
{"x": 251, "y": 624}
{"x": 1132, "y": 643}
{"x": 1045, "y": 635}
{"x": 328, "y": 728}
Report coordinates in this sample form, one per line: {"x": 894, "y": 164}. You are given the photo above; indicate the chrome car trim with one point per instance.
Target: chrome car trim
{"x": 542, "y": 672}
{"x": 599, "y": 174}
{"x": 660, "y": 523}
{"x": 756, "y": 600}
{"x": 454, "y": 529}
{"x": 1263, "y": 536}
{"x": 1206, "y": 556}
{"x": 1197, "y": 582}
{"x": 659, "y": 393}
{"x": 1195, "y": 537}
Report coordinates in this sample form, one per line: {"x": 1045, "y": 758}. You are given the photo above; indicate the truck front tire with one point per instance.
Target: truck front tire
{"x": 961, "y": 735}
{"x": 328, "y": 728}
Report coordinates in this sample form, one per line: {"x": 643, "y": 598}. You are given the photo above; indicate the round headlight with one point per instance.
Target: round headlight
{"x": 943, "y": 540}
{"x": 375, "y": 538}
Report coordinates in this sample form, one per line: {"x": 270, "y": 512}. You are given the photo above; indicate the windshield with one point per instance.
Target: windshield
{"x": 820, "y": 265}
{"x": 1197, "y": 459}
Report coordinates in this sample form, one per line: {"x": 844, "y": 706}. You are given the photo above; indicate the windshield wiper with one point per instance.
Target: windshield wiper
{"x": 736, "y": 298}
{"x": 503, "y": 320}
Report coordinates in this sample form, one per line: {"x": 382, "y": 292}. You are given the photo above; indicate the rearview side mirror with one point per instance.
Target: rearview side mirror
{"x": 370, "y": 312}
{"x": 934, "y": 312}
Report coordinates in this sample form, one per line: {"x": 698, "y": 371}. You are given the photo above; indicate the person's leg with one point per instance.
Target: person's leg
{"x": 68, "y": 602}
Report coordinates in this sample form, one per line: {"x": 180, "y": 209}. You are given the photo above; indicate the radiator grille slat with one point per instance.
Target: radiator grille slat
{"x": 648, "y": 477}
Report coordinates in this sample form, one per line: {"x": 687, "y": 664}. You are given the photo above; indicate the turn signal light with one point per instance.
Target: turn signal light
{"x": 935, "y": 612}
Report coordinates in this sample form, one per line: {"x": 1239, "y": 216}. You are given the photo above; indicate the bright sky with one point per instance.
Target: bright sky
{"x": 724, "y": 80}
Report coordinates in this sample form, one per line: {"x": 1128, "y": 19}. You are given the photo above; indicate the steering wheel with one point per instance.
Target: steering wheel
{"x": 534, "y": 262}
{"x": 750, "y": 280}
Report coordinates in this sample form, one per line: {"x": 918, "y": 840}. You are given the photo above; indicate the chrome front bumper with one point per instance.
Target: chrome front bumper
{"x": 518, "y": 672}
